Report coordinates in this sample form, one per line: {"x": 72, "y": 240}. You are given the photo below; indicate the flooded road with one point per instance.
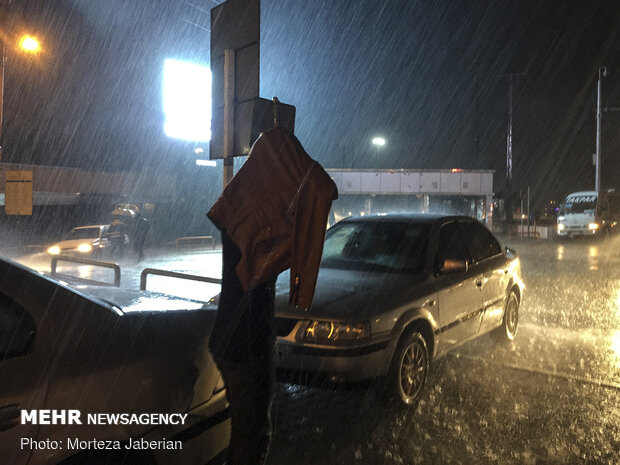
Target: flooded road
{"x": 551, "y": 397}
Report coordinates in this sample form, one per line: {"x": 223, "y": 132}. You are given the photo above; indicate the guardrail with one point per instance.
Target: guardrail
{"x": 87, "y": 261}
{"x": 174, "y": 274}
{"x": 195, "y": 240}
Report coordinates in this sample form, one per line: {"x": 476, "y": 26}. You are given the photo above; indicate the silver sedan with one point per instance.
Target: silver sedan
{"x": 395, "y": 292}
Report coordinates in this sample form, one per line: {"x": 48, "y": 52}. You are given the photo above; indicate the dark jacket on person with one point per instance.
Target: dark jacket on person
{"x": 141, "y": 229}
{"x": 275, "y": 210}
{"x": 116, "y": 231}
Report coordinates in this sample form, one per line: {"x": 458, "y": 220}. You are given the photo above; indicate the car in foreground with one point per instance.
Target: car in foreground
{"x": 88, "y": 241}
{"x": 395, "y": 292}
{"x": 108, "y": 352}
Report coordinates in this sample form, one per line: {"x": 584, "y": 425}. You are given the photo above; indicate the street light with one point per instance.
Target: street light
{"x": 379, "y": 142}
{"x": 29, "y": 44}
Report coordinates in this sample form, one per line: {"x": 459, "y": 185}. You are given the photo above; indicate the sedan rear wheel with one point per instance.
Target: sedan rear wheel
{"x": 409, "y": 369}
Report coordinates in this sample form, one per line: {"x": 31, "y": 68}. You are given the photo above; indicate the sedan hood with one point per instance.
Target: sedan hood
{"x": 73, "y": 243}
{"x": 346, "y": 294}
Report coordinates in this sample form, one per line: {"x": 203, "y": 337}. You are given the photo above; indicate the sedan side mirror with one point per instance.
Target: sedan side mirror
{"x": 453, "y": 266}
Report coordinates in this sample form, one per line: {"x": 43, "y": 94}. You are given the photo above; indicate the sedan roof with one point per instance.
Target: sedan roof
{"x": 420, "y": 218}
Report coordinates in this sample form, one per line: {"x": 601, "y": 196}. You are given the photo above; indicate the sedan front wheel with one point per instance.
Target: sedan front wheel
{"x": 409, "y": 369}
{"x": 508, "y": 330}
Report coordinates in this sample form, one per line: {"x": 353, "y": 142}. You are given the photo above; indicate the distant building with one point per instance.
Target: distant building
{"x": 461, "y": 192}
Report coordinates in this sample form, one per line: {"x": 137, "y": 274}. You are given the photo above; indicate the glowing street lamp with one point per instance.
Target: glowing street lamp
{"x": 378, "y": 142}
{"x": 29, "y": 44}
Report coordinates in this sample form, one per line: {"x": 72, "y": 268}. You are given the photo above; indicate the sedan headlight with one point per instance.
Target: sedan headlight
{"x": 53, "y": 250}
{"x": 593, "y": 226}
{"x": 85, "y": 248}
{"x": 331, "y": 332}
{"x": 561, "y": 227}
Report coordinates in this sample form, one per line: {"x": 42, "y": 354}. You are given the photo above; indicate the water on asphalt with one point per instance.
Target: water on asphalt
{"x": 551, "y": 397}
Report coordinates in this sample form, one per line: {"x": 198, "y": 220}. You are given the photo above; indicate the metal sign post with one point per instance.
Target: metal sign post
{"x": 229, "y": 115}
{"x": 239, "y": 115}
{"x": 276, "y": 112}
{"x": 235, "y": 40}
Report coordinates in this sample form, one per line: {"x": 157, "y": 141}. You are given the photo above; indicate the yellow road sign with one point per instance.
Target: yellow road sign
{"x": 18, "y": 193}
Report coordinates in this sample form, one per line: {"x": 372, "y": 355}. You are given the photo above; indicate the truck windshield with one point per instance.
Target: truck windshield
{"x": 582, "y": 204}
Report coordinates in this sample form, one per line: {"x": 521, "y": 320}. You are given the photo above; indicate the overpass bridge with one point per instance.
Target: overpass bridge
{"x": 465, "y": 192}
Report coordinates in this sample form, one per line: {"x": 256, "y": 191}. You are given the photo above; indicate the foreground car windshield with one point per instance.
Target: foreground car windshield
{"x": 375, "y": 246}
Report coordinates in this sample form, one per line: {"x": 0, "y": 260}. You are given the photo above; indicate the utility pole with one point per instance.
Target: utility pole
{"x": 602, "y": 72}
{"x": 508, "y": 199}
{"x": 510, "y": 77}
{"x": 509, "y": 137}
{"x": 4, "y": 10}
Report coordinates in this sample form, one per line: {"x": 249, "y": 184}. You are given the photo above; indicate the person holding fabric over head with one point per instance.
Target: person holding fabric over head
{"x": 117, "y": 234}
{"x": 272, "y": 216}
{"x": 140, "y": 231}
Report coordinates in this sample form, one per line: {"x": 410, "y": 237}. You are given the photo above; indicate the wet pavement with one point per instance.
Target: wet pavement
{"x": 551, "y": 397}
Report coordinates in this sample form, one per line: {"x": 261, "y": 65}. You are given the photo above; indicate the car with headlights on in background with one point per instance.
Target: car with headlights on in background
{"x": 395, "y": 292}
{"x": 86, "y": 241}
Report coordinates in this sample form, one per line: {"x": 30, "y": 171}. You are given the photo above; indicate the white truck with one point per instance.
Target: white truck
{"x": 588, "y": 214}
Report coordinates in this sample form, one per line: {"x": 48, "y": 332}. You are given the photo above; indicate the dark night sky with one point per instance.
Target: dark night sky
{"x": 427, "y": 75}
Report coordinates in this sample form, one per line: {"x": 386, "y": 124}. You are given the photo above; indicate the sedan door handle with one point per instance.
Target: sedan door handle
{"x": 9, "y": 416}
{"x": 479, "y": 282}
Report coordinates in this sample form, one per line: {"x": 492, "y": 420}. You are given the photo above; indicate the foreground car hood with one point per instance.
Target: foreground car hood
{"x": 130, "y": 301}
{"x": 351, "y": 295}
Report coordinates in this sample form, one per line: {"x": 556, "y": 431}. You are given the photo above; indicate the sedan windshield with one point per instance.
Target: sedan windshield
{"x": 373, "y": 246}
{"x": 84, "y": 233}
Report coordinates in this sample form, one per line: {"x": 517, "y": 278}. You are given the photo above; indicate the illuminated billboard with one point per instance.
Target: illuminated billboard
{"x": 187, "y": 101}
